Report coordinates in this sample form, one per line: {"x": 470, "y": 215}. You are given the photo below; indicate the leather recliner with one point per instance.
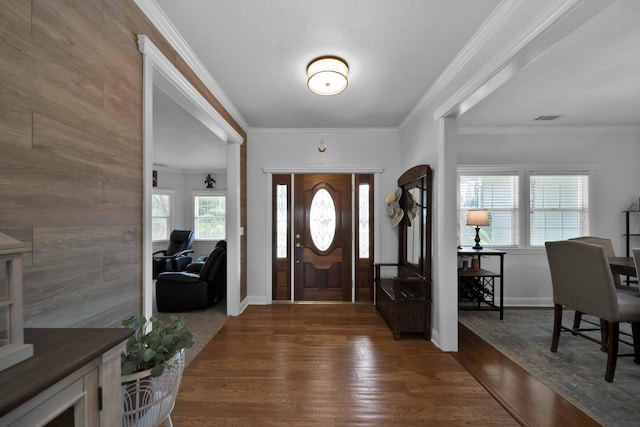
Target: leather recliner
{"x": 177, "y": 256}
{"x": 193, "y": 289}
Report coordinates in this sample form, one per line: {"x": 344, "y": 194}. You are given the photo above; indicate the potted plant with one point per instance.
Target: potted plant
{"x": 151, "y": 366}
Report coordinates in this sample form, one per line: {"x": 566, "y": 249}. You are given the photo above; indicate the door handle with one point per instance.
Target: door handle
{"x": 298, "y": 245}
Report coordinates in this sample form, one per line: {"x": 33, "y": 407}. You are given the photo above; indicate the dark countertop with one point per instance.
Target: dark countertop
{"x": 57, "y": 352}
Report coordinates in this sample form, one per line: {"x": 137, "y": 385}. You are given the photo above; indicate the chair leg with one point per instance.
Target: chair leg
{"x": 612, "y": 349}
{"x": 577, "y": 318}
{"x": 635, "y": 331}
{"x": 557, "y": 323}
{"x": 604, "y": 334}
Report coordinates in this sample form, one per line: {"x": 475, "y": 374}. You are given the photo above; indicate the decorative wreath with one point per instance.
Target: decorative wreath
{"x": 393, "y": 206}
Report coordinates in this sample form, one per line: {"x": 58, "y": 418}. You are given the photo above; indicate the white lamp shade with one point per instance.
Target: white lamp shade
{"x": 478, "y": 217}
{"x": 327, "y": 75}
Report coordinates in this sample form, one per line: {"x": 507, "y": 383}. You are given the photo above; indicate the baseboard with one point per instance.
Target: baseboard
{"x": 538, "y": 302}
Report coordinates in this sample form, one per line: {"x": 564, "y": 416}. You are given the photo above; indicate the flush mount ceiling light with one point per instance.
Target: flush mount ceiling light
{"x": 327, "y": 75}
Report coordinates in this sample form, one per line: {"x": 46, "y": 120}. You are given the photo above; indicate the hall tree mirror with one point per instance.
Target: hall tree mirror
{"x": 415, "y": 230}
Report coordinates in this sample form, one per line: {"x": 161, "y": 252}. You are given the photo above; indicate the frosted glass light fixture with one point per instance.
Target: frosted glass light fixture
{"x": 327, "y": 75}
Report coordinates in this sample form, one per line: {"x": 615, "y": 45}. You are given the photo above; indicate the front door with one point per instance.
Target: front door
{"x": 322, "y": 237}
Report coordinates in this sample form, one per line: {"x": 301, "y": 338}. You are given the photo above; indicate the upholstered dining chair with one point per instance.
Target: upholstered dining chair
{"x": 607, "y": 244}
{"x": 582, "y": 280}
{"x": 636, "y": 260}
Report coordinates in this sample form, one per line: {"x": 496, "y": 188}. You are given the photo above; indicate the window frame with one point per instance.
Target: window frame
{"x": 518, "y": 208}
{"x": 209, "y": 193}
{"x": 171, "y": 194}
{"x": 524, "y": 173}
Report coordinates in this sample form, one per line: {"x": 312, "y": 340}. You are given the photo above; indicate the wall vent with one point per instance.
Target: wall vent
{"x": 547, "y": 118}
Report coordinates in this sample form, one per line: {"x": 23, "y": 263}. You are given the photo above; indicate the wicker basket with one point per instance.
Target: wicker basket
{"x": 148, "y": 401}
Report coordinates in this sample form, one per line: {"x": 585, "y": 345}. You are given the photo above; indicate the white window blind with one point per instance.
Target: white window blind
{"x": 559, "y": 207}
{"x": 498, "y": 193}
{"x": 209, "y": 217}
{"x": 160, "y": 216}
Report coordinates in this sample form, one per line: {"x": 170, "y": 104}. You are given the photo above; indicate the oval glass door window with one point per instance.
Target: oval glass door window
{"x": 322, "y": 219}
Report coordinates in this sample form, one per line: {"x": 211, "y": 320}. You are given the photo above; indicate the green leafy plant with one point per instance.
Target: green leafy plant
{"x": 152, "y": 350}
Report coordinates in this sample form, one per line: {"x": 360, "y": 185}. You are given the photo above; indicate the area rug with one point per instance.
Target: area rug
{"x": 205, "y": 324}
{"x": 576, "y": 371}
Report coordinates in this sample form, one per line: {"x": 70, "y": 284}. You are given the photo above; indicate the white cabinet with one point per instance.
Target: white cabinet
{"x": 74, "y": 373}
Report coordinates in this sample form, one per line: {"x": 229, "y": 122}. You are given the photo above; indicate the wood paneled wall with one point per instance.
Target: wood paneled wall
{"x": 71, "y": 155}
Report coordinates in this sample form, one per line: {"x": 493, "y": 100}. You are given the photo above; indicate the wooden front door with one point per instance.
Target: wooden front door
{"x": 322, "y": 238}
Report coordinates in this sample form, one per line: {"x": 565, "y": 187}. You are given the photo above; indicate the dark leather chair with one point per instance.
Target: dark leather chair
{"x": 197, "y": 288}
{"x": 177, "y": 256}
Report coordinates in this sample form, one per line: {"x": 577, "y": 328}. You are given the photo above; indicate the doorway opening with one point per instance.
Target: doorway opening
{"x": 159, "y": 71}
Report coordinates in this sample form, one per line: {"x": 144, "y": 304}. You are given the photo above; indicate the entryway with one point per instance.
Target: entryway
{"x": 322, "y": 237}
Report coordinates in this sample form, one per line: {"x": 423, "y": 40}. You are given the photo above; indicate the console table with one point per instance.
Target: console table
{"x": 72, "y": 377}
{"x": 476, "y": 288}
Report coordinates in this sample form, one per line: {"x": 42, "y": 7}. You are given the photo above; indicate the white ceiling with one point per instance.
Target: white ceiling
{"x": 182, "y": 143}
{"x": 590, "y": 78}
{"x": 257, "y": 52}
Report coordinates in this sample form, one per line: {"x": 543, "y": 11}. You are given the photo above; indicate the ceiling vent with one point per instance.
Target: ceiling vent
{"x": 547, "y": 118}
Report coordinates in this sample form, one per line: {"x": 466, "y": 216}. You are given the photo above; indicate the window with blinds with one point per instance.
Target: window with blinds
{"x": 160, "y": 216}
{"x": 559, "y": 207}
{"x": 498, "y": 193}
{"x": 527, "y": 206}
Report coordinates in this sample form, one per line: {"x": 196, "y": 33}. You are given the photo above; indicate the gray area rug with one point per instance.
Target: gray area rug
{"x": 576, "y": 371}
{"x": 205, "y": 324}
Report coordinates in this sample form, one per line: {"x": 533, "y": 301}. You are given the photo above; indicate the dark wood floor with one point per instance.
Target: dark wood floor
{"x": 338, "y": 365}
{"x": 526, "y": 398}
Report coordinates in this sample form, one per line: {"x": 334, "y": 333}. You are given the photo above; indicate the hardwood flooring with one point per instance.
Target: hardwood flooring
{"x": 529, "y": 400}
{"x": 335, "y": 365}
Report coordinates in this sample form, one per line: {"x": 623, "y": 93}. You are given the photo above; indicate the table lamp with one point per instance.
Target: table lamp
{"x": 478, "y": 217}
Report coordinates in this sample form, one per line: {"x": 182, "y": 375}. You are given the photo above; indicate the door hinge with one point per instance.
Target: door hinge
{"x": 99, "y": 398}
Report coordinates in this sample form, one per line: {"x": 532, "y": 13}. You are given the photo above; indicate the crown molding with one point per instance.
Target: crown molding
{"x": 488, "y": 28}
{"x": 323, "y": 131}
{"x": 554, "y": 23}
{"x": 160, "y": 20}
{"x": 539, "y": 130}
{"x": 176, "y": 85}
{"x": 322, "y": 169}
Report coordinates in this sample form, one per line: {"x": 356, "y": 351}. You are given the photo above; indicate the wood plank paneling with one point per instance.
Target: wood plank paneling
{"x": 62, "y": 140}
{"x": 71, "y": 154}
{"x": 15, "y": 16}
{"x": 55, "y": 244}
{"x": 15, "y": 128}
{"x": 105, "y": 301}
{"x": 43, "y": 281}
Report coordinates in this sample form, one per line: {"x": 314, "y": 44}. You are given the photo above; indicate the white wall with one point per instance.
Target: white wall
{"x": 296, "y": 150}
{"x": 183, "y": 183}
{"x": 490, "y": 58}
{"x": 616, "y": 156}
